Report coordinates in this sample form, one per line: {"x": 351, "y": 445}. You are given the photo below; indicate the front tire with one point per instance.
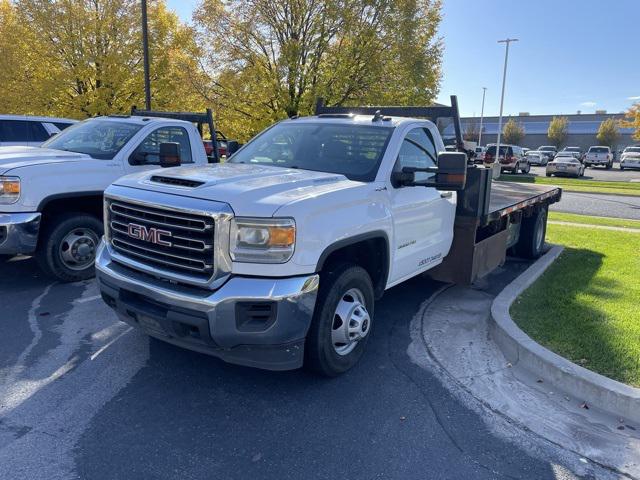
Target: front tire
{"x": 68, "y": 246}
{"x": 342, "y": 320}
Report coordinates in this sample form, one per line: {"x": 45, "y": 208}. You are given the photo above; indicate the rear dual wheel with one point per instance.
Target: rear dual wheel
{"x": 532, "y": 234}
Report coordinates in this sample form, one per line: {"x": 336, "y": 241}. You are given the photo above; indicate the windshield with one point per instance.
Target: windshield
{"x": 633, "y": 150}
{"x": 102, "y": 139}
{"x": 354, "y": 151}
{"x": 572, "y": 149}
{"x": 598, "y": 150}
{"x": 532, "y": 154}
{"x": 547, "y": 149}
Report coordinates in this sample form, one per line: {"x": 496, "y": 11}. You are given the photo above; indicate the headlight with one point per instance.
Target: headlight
{"x": 9, "y": 190}
{"x": 262, "y": 240}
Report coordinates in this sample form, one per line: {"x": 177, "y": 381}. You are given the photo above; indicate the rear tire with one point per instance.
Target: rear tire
{"x": 532, "y": 234}
{"x": 342, "y": 320}
{"x": 68, "y": 246}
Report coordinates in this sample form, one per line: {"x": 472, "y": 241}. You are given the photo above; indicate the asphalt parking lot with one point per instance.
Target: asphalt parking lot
{"x": 98, "y": 400}
{"x": 601, "y": 174}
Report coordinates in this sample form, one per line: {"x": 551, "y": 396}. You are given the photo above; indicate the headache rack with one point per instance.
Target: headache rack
{"x": 432, "y": 113}
{"x": 199, "y": 119}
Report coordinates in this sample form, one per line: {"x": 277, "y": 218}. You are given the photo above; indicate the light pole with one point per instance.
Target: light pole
{"x": 145, "y": 56}
{"x": 484, "y": 92}
{"x": 506, "y": 41}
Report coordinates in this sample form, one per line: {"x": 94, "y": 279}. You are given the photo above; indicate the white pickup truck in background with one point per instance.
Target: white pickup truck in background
{"x": 51, "y": 196}
{"x": 276, "y": 257}
{"x": 598, "y": 155}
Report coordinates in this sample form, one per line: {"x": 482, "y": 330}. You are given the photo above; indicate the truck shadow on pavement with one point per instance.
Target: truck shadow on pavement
{"x": 187, "y": 415}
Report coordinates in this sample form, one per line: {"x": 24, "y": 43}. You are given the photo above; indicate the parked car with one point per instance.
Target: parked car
{"x": 51, "y": 196}
{"x": 536, "y": 158}
{"x": 525, "y": 150}
{"x": 479, "y": 151}
{"x": 549, "y": 151}
{"x": 511, "y": 158}
{"x": 565, "y": 163}
{"x": 630, "y": 158}
{"x": 21, "y": 130}
{"x": 576, "y": 151}
{"x": 599, "y": 155}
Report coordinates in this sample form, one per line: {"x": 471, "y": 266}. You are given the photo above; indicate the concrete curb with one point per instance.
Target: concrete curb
{"x": 596, "y": 390}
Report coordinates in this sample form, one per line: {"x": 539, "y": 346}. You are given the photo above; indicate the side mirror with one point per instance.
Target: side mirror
{"x": 452, "y": 171}
{"x": 232, "y": 147}
{"x": 170, "y": 155}
{"x": 450, "y": 174}
{"x": 137, "y": 158}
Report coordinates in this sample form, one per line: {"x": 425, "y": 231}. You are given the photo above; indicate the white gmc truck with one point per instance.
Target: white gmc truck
{"x": 51, "y": 196}
{"x": 275, "y": 258}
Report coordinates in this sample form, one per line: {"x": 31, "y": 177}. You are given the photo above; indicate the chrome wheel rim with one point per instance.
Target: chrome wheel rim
{"x": 77, "y": 250}
{"x": 351, "y": 322}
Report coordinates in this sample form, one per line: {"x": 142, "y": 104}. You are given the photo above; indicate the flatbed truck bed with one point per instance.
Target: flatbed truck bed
{"x": 489, "y": 220}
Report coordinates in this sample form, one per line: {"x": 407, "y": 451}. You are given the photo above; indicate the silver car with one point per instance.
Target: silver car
{"x": 536, "y": 158}
{"x": 630, "y": 158}
{"x": 565, "y": 163}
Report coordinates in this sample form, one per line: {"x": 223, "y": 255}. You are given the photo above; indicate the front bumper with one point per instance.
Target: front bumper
{"x": 256, "y": 322}
{"x": 19, "y": 232}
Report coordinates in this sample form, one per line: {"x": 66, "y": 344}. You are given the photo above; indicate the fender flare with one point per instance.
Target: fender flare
{"x": 345, "y": 242}
{"x": 60, "y": 196}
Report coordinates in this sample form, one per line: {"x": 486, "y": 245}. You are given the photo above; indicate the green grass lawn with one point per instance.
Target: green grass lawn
{"x": 586, "y": 306}
{"x": 588, "y": 220}
{"x": 578, "y": 184}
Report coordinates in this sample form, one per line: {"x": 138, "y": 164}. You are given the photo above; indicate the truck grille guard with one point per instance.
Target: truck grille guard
{"x": 181, "y": 245}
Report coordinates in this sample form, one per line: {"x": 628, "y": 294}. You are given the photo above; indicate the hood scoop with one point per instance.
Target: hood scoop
{"x": 176, "y": 182}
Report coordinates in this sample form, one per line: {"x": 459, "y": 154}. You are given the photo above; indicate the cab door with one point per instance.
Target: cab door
{"x": 422, "y": 216}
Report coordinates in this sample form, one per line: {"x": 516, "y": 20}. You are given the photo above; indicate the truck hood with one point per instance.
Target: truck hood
{"x": 16, "y": 157}
{"x": 250, "y": 190}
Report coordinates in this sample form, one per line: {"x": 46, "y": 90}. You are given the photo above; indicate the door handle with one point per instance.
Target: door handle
{"x": 446, "y": 194}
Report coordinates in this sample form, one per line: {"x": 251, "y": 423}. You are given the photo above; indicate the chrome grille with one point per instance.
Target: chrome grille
{"x": 187, "y": 241}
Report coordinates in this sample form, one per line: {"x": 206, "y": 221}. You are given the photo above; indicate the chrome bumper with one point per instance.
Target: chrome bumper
{"x": 219, "y": 322}
{"x": 19, "y": 232}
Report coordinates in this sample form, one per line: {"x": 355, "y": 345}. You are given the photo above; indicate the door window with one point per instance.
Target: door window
{"x": 38, "y": 132}
{"x": 418, "y": 150}
{"x": 148, "y": 152}
{"x": 14, "y": 131}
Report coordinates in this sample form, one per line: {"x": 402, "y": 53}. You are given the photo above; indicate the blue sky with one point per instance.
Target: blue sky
{"x": 572, "y": 54}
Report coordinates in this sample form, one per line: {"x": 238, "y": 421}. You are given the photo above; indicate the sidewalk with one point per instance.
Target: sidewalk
{"x": 451, "y": 336}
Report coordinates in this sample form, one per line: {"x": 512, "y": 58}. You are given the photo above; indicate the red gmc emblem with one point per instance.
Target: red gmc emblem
{"x": 149, "y": 234}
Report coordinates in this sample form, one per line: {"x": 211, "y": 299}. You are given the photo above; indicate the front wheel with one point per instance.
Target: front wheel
{"x": 342, "y": 320}
{"x": 68, "y": 246}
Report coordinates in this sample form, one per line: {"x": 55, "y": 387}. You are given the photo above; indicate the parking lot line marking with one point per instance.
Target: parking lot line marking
{"x": 102, "y": 349}
{"x": 88, "y": 299}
